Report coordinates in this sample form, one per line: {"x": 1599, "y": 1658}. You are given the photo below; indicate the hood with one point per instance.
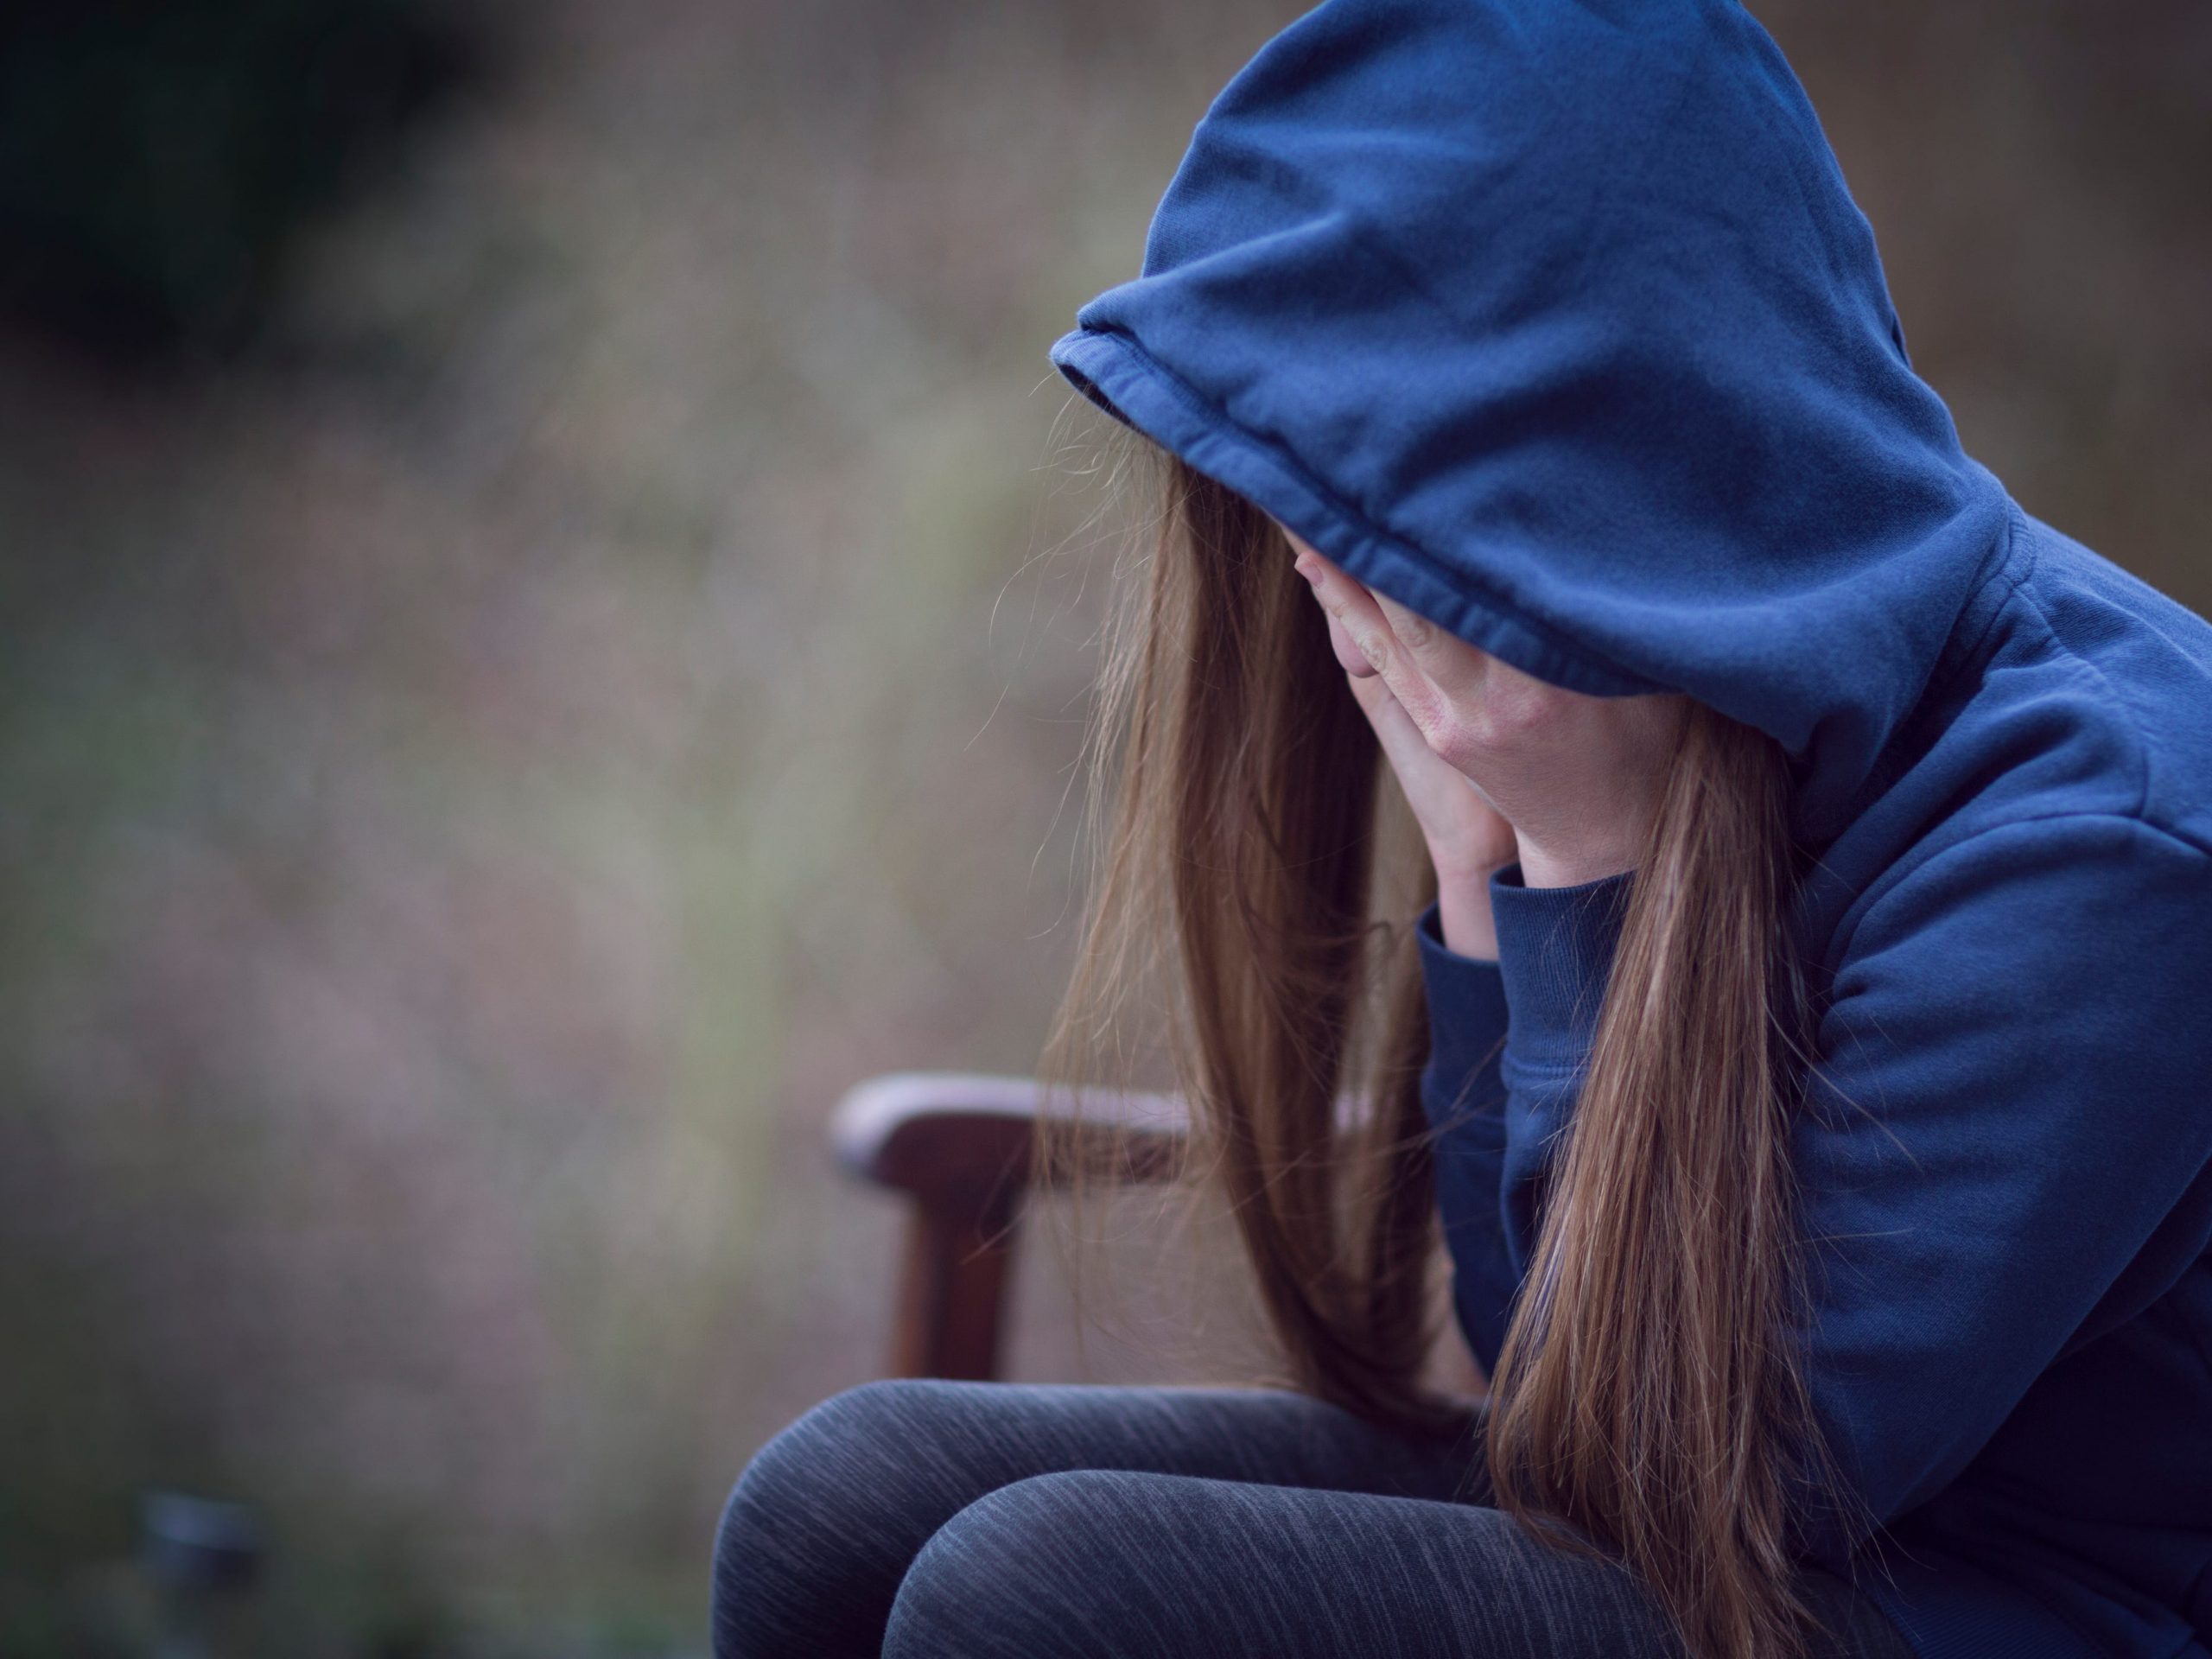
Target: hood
{"x": 1556, "y": 323}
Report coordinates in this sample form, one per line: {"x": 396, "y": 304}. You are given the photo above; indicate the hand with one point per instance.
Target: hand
{"x": 1575, "y": 778}
{"x": 1467, "y": 837}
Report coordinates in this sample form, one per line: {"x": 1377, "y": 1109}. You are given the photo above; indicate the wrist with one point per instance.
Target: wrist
{"x": 1543, "y": 869}
{"x": 1463, "y": 910}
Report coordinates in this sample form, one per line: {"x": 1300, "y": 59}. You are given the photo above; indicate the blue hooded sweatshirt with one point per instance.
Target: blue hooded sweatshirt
{"x": 1555, "y": 322}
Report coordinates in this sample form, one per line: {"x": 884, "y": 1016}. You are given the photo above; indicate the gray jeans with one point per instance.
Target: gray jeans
{"x": 1031, "y": 1521}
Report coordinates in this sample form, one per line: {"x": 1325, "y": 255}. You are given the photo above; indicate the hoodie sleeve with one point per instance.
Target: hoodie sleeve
{"x": 1462, "y": 1093}
{"x": 1507, "y": 1039}
{"x": 2010, "y": 1107}
{"x": 2002, "y": 1133}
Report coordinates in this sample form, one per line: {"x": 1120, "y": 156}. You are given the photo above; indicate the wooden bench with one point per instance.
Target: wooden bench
{"x": 957, "y": 1145}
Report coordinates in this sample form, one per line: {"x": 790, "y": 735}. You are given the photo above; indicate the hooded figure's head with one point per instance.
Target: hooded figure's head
{"x": 1554, "y": 320}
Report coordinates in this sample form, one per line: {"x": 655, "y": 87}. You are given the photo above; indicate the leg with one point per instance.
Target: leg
{"x": 827, "y": 1517}
{"x": 1111, "y": 1563}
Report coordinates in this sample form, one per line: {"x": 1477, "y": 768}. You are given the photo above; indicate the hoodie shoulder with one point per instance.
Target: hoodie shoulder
{"x": 2094, "y": 694}
{"x": 2142, "y": 661}
{"x": 2072, "y": 691}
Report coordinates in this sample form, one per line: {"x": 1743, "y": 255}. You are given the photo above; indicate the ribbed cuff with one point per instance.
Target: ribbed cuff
{"x": 1554, "y": 950}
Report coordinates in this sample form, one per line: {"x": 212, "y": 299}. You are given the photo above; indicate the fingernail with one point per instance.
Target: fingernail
{"x": 1310, "y": 569}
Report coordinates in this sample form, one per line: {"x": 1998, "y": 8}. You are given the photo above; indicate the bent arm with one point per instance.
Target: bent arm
{"x": 1506, "y": 1039}
{"x": 2009, "y": 1108}
{"x": 2005, "y": 1148}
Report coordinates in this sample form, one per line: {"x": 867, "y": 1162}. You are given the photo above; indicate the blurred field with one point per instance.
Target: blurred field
{"x": 481, "y": 772}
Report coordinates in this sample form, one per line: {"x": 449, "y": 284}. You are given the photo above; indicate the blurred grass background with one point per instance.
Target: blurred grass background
{"x": 543, "y": 635}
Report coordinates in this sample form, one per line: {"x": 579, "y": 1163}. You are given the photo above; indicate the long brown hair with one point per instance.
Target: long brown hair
{"x": 1261, "y": 878}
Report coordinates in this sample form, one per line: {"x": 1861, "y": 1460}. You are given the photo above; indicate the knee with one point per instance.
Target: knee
{"x": 821, "y": 1523}
{"x": 1027, "y": 1570}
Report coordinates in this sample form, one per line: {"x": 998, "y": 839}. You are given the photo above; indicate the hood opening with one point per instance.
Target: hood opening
{"x": 1565, "y": 333}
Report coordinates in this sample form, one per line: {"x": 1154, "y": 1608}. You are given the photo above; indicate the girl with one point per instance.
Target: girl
{"x": 1804, "y": 1039}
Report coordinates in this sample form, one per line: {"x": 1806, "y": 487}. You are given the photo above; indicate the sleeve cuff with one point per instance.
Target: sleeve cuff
{"x": 1555, "y": 951}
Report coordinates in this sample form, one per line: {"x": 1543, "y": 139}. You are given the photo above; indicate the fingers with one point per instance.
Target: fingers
{"x": 1402, "y": 744}
{"x": 1352, "y": 607}
{"x": 1464, "y": 829}
{"x": 1446, "y": 661}
{"x": 1346, "y": 653}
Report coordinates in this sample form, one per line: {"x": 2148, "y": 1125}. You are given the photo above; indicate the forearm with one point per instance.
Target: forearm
{"x": 1463, "y": 1097}
{"x": 1529, "y": 958}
